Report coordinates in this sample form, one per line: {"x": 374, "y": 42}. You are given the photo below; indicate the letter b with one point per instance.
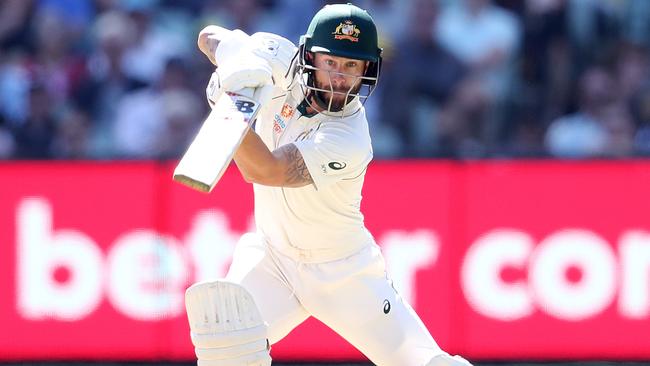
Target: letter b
{"x": 41, "y": 251}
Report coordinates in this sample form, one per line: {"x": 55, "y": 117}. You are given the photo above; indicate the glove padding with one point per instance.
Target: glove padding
{"x": 246, "y": 71}
{"x": 234, "y": 76}
{"x": 230, "y": 46}
{"x": 209, "y": 39}
{"x": 279, "y": 52}
{"x": 213, "y": 91}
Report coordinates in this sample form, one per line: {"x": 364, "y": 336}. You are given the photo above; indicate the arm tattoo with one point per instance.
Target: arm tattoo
{"x": 297, "y": 174}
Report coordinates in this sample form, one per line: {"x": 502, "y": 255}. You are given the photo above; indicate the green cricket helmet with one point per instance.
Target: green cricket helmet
{"x": 342, "y": 30}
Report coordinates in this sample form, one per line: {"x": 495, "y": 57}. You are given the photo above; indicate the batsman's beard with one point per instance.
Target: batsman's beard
{"x": 339, "y": 99}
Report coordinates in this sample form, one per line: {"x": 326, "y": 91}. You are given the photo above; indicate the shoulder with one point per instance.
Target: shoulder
{"x": 352, "y": 131}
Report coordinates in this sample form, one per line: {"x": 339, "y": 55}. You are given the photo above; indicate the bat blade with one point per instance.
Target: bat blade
{"x": 213, "y": 148}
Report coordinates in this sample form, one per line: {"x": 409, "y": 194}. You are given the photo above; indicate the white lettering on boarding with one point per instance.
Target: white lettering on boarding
{"x": 144, "y": 273}
{"x": 571, "y": 274}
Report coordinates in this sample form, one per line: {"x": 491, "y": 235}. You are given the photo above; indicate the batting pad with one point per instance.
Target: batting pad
{"x": 448, "y": 360}
{"x": 225, "y": 325}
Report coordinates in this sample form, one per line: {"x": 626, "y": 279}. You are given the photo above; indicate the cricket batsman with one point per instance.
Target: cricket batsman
{"x": 311, "y": 254}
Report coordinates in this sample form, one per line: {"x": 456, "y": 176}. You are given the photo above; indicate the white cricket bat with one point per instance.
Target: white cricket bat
{"x": 213, "y": 148}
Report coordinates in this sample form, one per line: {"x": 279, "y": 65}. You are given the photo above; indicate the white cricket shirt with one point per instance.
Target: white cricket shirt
{"x": 322, "y": 221}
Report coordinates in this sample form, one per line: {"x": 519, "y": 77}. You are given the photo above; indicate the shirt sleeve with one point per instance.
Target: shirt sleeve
{"x": 335, "y": 153}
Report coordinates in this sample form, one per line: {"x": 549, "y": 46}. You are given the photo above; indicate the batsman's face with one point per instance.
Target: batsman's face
{"x": 339, "y": 74}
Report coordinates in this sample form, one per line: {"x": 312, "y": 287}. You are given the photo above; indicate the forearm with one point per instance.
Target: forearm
{"x": 284, "y": 167}
{"x": 253, "y": 158}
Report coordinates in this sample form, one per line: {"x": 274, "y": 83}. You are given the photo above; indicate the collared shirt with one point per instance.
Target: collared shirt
{"x": 321, "y": 221}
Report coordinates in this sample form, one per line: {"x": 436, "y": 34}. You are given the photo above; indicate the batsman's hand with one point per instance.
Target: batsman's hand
{"x": 209, "y": 39}
{"x": 247, "y": 71}
{"x": 279, "y": 52}
{"x": 213, "y": 90}
{"x": 221, "y": 45}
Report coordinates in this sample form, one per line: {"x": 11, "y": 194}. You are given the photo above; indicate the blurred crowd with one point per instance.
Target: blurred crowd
{"x": 123, "y": 79}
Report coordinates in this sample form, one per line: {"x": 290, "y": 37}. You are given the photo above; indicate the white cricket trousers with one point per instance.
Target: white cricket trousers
{"x": 352, "y": 296}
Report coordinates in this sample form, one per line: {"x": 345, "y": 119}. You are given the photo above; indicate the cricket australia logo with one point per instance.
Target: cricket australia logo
{"x": 287, "y": 111}
{"x": 347, "y": 30}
